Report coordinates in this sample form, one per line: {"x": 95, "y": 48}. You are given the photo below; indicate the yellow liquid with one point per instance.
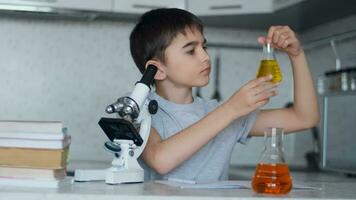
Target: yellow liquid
{"x": 270, "y": 67}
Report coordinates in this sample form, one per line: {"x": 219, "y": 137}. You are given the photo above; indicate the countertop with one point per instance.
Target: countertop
{"x": 333, "y": 186}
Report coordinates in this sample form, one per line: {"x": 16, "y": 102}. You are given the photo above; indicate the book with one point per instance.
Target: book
{"x": 34, "y": 158}
{"x": 22, "y": 182}
{"x": 31, "y": 126}
{"x": 36, "y": 143}
{"x": 27, "y": 173}
{"x": 33, "y": 135}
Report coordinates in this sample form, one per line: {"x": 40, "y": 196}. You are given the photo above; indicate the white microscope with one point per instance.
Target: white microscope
{"x": 126, "y": 142}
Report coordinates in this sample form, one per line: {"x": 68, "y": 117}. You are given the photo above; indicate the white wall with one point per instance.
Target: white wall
{"x": 65, "y": 70}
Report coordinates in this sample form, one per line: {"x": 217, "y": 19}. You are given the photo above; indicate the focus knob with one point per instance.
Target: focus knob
{"x": 153, "y": 107}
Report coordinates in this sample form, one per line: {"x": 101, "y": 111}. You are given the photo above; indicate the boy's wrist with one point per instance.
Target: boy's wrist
{"x": 300, "y": 55}
{"x": 229, "y": 111}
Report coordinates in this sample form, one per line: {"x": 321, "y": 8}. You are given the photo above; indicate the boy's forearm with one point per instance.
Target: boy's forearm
{"x": 305, "y": 100}
{"x": 178, "y": 148}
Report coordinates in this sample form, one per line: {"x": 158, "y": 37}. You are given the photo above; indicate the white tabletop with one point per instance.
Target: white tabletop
{"x": 333, "y": 186}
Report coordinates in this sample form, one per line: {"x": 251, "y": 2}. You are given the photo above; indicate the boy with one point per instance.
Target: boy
{"x": 192, "y": 138}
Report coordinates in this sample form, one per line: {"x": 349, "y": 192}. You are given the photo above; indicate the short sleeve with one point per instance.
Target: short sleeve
{"x": 157, "y": 123}
{"x": 244, "y": 126}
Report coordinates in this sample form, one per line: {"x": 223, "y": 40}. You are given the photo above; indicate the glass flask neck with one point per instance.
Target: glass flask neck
{"x": 268, "y": 52}
{"x": 273, "y": 146}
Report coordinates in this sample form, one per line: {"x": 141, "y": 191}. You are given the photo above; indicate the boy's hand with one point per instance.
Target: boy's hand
{"x": 251, "y": 96}
{"x": 283, "y": 38}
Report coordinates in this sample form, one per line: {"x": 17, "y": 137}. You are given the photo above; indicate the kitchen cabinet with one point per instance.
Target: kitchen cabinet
{"x": 280, "y": 4}
{"x": 236, "y": 7}
{"x": 141, "y": 6}
{"x": 89, "y": 5}
{"x": 228, "y": 7}
{"x": 137, "y": 7}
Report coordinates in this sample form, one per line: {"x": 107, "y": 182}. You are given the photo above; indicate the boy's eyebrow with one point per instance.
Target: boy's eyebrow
{"x": 194, "y": 43}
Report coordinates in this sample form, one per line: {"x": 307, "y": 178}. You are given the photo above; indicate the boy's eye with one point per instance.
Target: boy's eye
{"x": 205, "y": 47}
{"x": 191, "y": 52}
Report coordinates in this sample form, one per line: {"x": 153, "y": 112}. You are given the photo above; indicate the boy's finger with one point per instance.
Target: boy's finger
{"x": 271, "y": 32}
{"x": 282, "y": 39}
{"x": 264, "y": 88}
{"x": 285, "y": 43}
{"x": 261, "y": 40}
{"x": 265, "y": 95}
{"x": 255, "y": 82}
{"x": 261, "y": 103}
{"x": 277, "y": 33}
{"x": 284, "y": 33}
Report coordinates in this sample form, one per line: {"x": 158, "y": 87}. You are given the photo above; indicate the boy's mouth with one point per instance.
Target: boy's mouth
{"x": 205, "y": 70}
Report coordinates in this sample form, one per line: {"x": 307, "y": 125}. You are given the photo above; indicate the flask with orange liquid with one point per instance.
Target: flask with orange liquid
{"x": 272, "y": 173}
{"x": 269, "y": 64}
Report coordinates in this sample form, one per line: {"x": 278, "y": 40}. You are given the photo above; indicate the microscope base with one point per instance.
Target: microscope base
{"x": 111, "y": 176}
{"x": 84, "y": 175}
{"x": 114, "y": 176}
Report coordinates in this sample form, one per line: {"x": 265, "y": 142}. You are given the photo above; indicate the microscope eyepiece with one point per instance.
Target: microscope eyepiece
{"x": 149, "y": 75}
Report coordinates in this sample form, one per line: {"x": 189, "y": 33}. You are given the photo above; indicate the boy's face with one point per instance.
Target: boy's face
{"x": 186, "y": 60}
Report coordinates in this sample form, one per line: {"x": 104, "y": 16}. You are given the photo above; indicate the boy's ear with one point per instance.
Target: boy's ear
{"x": 161, "y": 72}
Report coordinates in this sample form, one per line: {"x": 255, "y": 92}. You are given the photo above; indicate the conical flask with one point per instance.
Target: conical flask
{"x": 269, "y": 64}
{"x": 272, "y": 173}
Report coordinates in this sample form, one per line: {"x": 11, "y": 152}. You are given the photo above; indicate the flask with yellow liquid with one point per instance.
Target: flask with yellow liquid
{"x": 269, "y": 64}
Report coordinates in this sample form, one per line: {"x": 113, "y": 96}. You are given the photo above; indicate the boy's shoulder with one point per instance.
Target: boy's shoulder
{"x": 197, "y": 104}
{"x": 171, "y": 117}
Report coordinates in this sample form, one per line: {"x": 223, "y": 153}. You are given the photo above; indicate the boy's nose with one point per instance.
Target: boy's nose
{"x": 205, "y": 56}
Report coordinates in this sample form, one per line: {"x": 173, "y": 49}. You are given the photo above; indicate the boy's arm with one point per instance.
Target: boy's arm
{"x": 305, "y": 112}
{"x": 165, "y": 155}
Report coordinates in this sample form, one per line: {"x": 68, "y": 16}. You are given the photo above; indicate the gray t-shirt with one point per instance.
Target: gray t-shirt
{"x": 211, "y": 162}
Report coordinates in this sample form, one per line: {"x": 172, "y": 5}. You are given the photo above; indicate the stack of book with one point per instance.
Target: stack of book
{"x": 33, "y": 153}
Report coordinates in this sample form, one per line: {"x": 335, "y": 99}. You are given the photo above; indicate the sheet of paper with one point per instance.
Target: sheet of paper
{"x": 206, "y": 185}
{"x": 297, "y": 186}
{"x": 221, "y": 185}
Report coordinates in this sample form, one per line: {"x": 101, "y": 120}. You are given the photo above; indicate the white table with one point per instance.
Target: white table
{"x": 333, "y": 186}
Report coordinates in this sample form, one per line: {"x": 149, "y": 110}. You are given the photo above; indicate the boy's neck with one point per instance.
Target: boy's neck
{"x": 176, "y": 95}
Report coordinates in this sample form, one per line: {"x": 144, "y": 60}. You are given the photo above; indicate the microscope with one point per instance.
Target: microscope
{"x": 128, "y": 134}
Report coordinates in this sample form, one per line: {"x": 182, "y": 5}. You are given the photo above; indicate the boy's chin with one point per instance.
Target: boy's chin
{"x": 202, "y": 84}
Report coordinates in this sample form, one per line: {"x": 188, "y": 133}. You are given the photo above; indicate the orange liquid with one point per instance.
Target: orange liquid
{"x": 270, "y": 67}
{"x": 272, "y": 179}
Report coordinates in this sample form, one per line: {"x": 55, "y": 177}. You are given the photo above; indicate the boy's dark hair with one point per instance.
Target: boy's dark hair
{"x": 155, "y": 31}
